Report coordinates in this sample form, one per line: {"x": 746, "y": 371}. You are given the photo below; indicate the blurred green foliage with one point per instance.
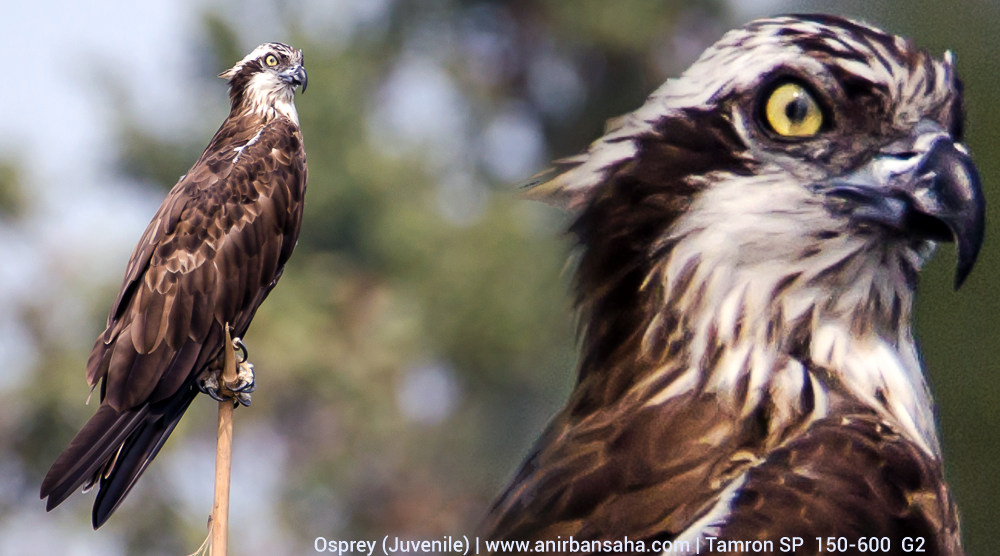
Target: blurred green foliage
{"x": 12, "y": 198}
{"x": 383, "y": 283}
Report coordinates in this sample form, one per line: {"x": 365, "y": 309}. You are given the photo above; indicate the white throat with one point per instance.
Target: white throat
{"x": 267, "y": 97}
{"x": 760, "y": 285}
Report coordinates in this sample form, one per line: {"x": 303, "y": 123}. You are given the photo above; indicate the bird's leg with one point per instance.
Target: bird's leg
{"x": 210, "y": 381}
{"x": 245, "y": 382}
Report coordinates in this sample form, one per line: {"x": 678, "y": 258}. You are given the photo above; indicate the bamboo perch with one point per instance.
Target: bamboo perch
{"x": 219, "y": 522}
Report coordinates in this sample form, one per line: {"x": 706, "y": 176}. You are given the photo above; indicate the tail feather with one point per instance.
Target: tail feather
{"x": 89, "y": 450}
{"x": 132, "y": 437}
{"x": 138, "y": 451}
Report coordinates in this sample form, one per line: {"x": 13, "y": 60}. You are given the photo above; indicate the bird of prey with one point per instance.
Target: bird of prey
{"x": 749, "y": 243}
{"x": 213, "y": 251}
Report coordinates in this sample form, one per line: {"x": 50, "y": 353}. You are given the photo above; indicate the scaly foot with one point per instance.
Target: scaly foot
{"x": 210, "y": 380}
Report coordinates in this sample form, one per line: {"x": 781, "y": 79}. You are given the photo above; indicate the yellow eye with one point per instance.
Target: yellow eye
{"x": 271, "y": 60}
{"x": 792, "y": 112}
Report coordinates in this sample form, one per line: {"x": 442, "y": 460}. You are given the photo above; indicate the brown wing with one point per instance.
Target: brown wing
{"x": 850, "y": 477}
{"x": 650, "y": 477}
{"x": 645, "y": 472}
{"x": 211, "y": 254}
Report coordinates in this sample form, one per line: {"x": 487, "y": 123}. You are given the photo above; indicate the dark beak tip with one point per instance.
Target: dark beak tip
{"x": 960, "y": 277}
{"x": 959, "y": 202}
{"x": 963, "y": 271}
{"x": 968, "y": 248}
{"x": 970, "y": 233}
{"x": 940, "y": 199}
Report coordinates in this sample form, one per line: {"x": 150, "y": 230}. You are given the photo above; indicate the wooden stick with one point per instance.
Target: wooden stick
{"x": 223, "y": 454}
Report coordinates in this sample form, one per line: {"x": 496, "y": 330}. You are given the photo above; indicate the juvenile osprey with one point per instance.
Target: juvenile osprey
{"x": 214, "y": 250}
{"x": 750, "y": 241}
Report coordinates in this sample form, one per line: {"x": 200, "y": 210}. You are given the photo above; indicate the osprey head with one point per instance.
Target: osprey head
{"x": 796, "y": 138}
{"x": 264, "y": 82}
{"x": 770, "y": 209}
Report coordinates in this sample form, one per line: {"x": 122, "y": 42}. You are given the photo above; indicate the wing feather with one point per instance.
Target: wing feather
{"x": 174, "y": 377}
{"x": 147, "y": 322}
{"x": 188, "y": 276}
{"x": 850, "y": 476}
{"x": 192, "y": 269}
{"x": 587, "y": 478}
{"x": 844, "y": 476}
{"x": 179, "y": 320}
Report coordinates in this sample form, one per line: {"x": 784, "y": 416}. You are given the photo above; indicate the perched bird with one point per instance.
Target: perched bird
{"x": 214, "y": 250}
{"x": 749, "y": 242}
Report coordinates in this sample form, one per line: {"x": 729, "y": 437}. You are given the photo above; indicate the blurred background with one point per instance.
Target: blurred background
{"x": 422, "y": 334}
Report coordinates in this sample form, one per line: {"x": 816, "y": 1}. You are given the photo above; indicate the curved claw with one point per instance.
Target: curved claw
{"x": 215, "y": 396}
{"x": 238, "y": 344}
{"x": 211, "y": 382}
{"x": 242, "y": 398}
{"x": 212, "y": 392}
{"x": 246, "y": 387}
{"x": 245, "y": 381}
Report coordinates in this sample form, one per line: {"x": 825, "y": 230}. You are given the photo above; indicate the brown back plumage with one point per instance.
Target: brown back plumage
{"x": 212, "y": 253}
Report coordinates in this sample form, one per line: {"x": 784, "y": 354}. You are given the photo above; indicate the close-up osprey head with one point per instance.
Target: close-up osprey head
{"x": 795, "y": 177}
{"x": 858, "y": 131}
{"x": 749, "y": 246}
{"x": 265, "y": 80}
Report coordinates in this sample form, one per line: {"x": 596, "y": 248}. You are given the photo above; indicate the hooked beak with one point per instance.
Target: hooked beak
{"x": 925, "y": 187}
{"x": 295, "y": 75}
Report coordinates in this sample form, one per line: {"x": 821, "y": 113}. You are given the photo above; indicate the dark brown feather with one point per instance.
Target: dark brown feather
{"x": 187, "y": 277}
{"x": 852, "y": 477}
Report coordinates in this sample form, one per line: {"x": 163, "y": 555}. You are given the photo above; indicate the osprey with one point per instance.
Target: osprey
{"x": 214, "y": 250}
{"x": 749, "y": 246}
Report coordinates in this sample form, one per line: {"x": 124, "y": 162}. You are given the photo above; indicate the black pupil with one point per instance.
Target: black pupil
{"x": 797, "y": 109}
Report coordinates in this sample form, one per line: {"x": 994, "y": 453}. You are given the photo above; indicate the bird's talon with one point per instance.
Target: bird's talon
{"x": 210, "y": 382}
{"x": 245, "y": 381}
{"x": 242, "y": 398}
{"x": 213, "y": 391}
{"x": 243, "y": 388}
{"x": 238, "y": 344}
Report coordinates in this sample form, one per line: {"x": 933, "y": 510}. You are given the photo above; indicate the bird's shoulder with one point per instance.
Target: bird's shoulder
{"x": 245, "y": 174}
{"x": 849, "y": 477}
{"x": 690, "y": 470}
{"x": 647, "y": 470}
{"x": 241, "y": 201}
{"x": 212, "y": 251}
